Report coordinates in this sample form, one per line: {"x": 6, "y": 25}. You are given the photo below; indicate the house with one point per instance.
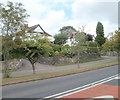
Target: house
{"x": 71, "y": 37}
{"x": 39, "y": 30}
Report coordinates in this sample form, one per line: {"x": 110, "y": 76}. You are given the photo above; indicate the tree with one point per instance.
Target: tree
{"x": 67, "y": 30}
{"x": 60, "y": 39}
{"x": 89, "y": 37}
{"x": 13, "y": 19}
{"x": 113, "y": 43}
{"x": 33, "y": 48}
{"x": 100, "y": 39}
{"x": 79, "y": 44}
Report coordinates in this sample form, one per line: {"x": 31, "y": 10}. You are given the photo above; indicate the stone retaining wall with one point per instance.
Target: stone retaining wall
{"x": 13, "y": 64}
{"x": 62, "y": 60}
{"x": 110, "y": 53}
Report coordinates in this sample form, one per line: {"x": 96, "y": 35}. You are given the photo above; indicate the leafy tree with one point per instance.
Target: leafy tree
{"x": 100, "y": 39}
{"x": 113, "y": 43}
{"x": 60, "y": 39}
{"x": 13, "y": 19}
{"x": 89, "y": 37}
{"x": 79, "y": 46}
{"x": 67, "y": 30}
{"x": 33, "y": 49}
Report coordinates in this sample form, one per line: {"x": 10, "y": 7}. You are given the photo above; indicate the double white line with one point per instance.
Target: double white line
{"x": 62, "y": 94}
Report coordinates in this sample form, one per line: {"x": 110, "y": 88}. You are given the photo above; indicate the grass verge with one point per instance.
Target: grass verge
{"x": 28, "y": 78}
{"x": 81, "y": 61}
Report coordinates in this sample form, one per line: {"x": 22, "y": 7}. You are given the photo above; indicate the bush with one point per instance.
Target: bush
{"x": 91, "y": 44}
{"x": 67, "y": 51}
{"x": 92, "y": 50}
{"x": 56, "y": 47}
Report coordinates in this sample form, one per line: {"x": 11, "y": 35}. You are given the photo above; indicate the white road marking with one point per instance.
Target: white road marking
{"x": 106, "y": 97}
{"x": 62, "y": 94}
{"x": 117, "y": 77}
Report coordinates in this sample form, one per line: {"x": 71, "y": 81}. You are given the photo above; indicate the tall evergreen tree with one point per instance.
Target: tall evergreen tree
{"x": 100, "y": 39}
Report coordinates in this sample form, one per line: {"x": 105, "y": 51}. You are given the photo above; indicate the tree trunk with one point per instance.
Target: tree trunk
{"x": 78, "y": 59}
{"x": 32, "y": 63}
{"x": 33, "y": 66}
{"x": 6, "y": 67}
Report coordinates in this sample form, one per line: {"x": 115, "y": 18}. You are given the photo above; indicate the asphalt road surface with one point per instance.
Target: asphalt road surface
{"x": 44, "y": 88}
{"x": 101, "y": 90}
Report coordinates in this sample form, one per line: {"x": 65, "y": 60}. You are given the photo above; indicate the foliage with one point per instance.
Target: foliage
{"x": 67, "y": 30}
{"x": 91, "y": 44}
{"x": 56, "y": 47}
{"x": 100, "y": 39}
{"x": 92, "y": 50}
{"x": 92, "y": 47}
{"x": 57, "y": 53}
{"x": 89, "y": 37}
{"x": 67, "y": 51}
{"x": 37, "y": 47}
{"x": 113, "y": 43}
{"x": 79, "y": 45}
{"x": 60, "y": 39}
{"x": 13, "y": 19}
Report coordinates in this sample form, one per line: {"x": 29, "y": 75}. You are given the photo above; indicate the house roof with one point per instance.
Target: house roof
{"x": 32, "y": 28}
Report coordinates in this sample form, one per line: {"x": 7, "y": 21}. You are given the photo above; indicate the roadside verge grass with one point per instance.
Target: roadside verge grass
{"x": 28, "y": 78}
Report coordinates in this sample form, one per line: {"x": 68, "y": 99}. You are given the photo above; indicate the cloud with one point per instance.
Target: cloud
{"x": 54, "y": 14}
{"x": 95, "y": 11}
{"x": 52, "y": 22}
{"x": 89, "y": 13}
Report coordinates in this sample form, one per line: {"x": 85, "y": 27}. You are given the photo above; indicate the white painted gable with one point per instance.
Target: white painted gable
{"x": 38, "y": 30}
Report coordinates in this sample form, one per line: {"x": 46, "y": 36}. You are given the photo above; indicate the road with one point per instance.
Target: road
{"x": 44, "y": 88}
{"x": 103, "y": 90}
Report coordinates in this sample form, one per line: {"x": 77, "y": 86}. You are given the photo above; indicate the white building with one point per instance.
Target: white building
{"x": 37, "y": 29}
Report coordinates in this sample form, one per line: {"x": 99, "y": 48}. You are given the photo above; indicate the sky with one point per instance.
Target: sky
{"x": 54, "y": 14}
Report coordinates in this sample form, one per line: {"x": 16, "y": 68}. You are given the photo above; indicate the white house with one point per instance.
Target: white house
{"x": 71, "y": 38}
{"x": 37, "y": 29}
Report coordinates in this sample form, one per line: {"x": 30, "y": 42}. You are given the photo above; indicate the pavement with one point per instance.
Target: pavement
{"x": 43, "y": 68}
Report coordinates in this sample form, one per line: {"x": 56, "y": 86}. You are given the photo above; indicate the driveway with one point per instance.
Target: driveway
{"x": 42, "y": 68}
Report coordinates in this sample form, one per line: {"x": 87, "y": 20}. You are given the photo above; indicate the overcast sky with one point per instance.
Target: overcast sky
{"x": 54, "y": 14}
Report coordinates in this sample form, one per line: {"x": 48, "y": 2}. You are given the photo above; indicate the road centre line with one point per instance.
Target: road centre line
{"x": 59, "y": 95}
